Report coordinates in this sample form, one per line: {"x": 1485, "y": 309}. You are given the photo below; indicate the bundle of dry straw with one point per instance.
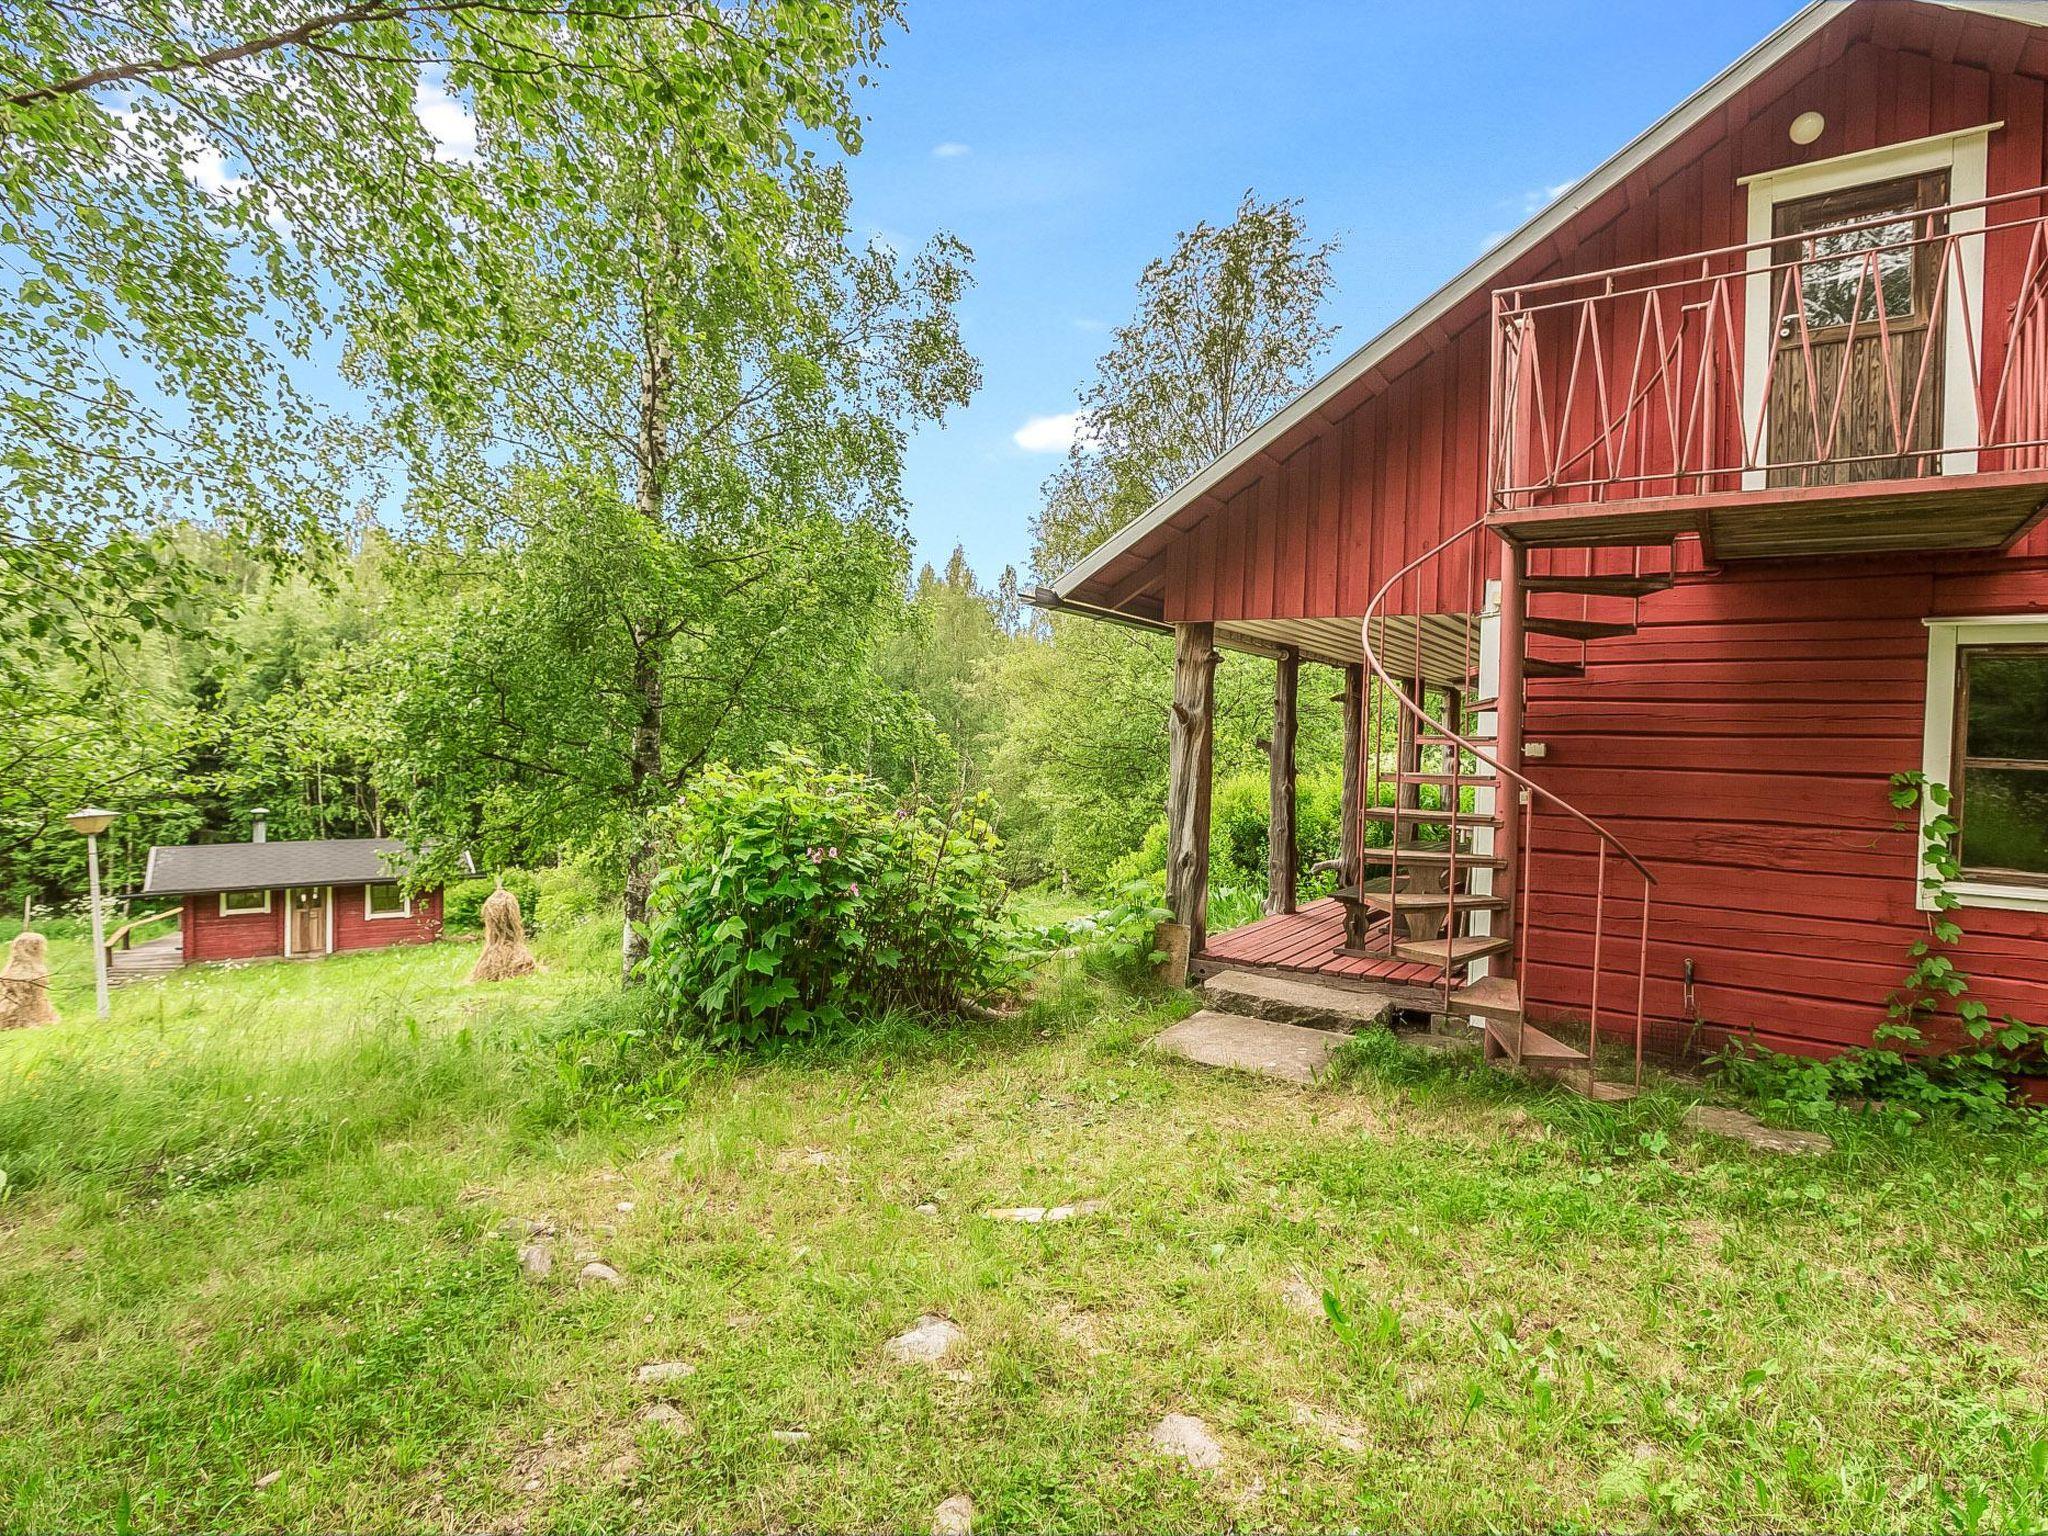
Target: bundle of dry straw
{"x": 505, "y": 953}
{"x": 25, "y": 983}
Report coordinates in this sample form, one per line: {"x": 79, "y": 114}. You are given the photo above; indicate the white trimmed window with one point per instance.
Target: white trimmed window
{"x": 386, "y": 901}
{"x": 243, "y": 903}
{"x": 1987, "y": 739}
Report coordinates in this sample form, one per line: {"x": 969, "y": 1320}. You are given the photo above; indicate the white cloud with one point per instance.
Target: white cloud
{"x": 207, "y": 169}
{"x": 1536, "y": 199}
{"x": 445, "y": 118}
{"x": 1051, "y": 434}
{"x": 951, "y": 150}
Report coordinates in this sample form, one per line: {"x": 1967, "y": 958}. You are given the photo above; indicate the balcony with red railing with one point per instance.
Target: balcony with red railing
{"x": 1858, "y": 385}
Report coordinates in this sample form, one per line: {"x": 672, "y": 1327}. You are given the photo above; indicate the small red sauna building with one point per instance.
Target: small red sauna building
{"x": 1652, "y": 547}
{"x": 244, "y": 901}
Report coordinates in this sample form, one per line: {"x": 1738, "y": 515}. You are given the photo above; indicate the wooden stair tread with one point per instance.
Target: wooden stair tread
{"x": 1458, "y": 951}
{"x": 1599, "y": 586}
{"x": 1537, "y": 666}
{"x": 1446, "y": 780}
{"x": 1427, "y": 901}
{"x": 1575, "y": 629}
{"x": 1539, "y": 1049}
{"x": 1491, "y": 997}
{"x": 1434, "y": 857}
{"x": 1429, "y": 739}
{"x": 1436, "y": 816}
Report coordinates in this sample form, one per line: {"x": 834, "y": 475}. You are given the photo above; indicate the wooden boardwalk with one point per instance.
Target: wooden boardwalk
{"x": 157, "y": 957}
{"x": 1309, "y": 941}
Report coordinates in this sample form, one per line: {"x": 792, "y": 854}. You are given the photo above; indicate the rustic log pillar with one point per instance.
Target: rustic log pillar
{"x": 1351, "y": 824}
{"x": 1351, "y": 817}
{"x": 1193, "y": 736}
{"x": 1283, "y": 858}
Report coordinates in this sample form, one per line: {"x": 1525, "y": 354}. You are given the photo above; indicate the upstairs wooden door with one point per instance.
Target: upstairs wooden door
{"x": 307, "y": 913}
{"x": 1857, "y": 417}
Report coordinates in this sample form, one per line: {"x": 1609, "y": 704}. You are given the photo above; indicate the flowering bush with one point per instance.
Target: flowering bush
{"x": 794, "y": 897}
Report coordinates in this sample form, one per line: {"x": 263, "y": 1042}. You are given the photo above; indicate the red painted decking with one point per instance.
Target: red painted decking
{"x": 1309, "y": 940}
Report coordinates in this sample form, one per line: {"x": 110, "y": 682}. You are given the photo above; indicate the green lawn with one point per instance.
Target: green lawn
{"x": 253, "y": 1227}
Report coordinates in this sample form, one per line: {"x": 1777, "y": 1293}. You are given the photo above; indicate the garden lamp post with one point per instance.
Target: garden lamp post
{"x": 90, "y": 823}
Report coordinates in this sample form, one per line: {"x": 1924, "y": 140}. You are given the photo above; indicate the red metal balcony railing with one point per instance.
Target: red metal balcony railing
{"x": 1899, "y": 347}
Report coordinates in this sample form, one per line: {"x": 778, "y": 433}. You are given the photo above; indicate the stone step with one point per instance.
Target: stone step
{"x": 1288, "y": 1053}
{"x": 1296, "y": 1000}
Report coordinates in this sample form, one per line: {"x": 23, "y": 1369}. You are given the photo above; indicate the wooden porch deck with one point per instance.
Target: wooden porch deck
{"x": 156, "y": 957}
{"x": 1309, "y": 942}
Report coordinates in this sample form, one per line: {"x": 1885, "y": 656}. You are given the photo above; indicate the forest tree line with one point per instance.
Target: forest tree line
{"x": 618, "y": 494}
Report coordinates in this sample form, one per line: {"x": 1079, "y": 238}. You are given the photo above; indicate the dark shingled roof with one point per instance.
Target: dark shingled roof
{"x": 201, "y": 867}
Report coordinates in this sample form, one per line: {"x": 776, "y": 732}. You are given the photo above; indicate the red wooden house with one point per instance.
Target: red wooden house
{"x": 244, "y": 901}
{"x": 1672, "y": 528}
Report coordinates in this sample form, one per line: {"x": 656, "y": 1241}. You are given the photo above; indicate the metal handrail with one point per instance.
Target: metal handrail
{"x": 1460, "y": 744}
{"x": 1422, "y": 716}
{"x": 1673, "y": 322}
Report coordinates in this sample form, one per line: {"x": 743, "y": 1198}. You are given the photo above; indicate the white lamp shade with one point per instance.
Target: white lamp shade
{"x": 1807, "y": 127}
{"x": 91, "y": 821}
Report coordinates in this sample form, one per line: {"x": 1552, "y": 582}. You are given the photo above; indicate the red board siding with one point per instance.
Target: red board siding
{"x": 256, "y": 935}
{"x": 1741, "y": 743}
{"x": 1398, "y": 463}
{"x": 244, "y": 936}
{"x": 354, "y": 929}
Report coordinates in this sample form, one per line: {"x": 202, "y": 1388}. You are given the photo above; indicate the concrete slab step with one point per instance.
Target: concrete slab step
{"x": 1288, "y": 1053}
{"x": 1296, "y": 1000}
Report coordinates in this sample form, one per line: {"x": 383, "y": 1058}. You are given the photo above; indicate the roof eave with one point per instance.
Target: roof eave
{"x": 1573, "y": 201}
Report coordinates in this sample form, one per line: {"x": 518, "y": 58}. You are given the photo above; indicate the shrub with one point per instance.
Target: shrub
{"x": 795, "y": 897}
{"x": 566, "y": 894}
{"x": 462, "y": 903}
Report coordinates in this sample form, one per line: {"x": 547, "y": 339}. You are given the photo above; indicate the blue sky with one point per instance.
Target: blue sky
{"x": 1068, "y": 141}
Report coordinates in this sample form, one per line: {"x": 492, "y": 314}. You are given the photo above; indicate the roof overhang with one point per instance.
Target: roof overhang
{"x": 1583, "y": 194}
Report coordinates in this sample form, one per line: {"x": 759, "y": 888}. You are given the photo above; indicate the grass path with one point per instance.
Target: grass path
{"x": 255, "y": 1228}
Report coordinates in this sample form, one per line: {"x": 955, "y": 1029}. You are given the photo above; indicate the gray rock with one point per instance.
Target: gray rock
{"x": 1290, "y": 1053}
{"x": 1187, "y": 1438}
{"x": 790, "y": 1436}
{"x": 269, "y": 1479}
{"x": 1738, "y": 1125}
{"x": 536, "y": 1260}
{"x": 955, "y": 1517}
{"x": 597, "y": 1272}
{"x": 1031, "y": 1215}
{"x": 1296, "y": 1000}
{"x": 928, "y": 1341}
{"x": 663, "y": 1373}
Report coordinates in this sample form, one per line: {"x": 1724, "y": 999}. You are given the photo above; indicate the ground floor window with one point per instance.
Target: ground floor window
{"x": 386, "y": 901}
{"x": 241, "y": 903}
{"x": 1987, "y": 739}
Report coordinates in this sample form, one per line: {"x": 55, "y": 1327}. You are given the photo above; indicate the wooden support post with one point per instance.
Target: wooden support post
{"x": 1508, "y": 731}
{"x": 1283, "y": 858}
{"x": 1408, "y": 755}
{"x": 1193, "y": 733}
{"x": 1351, "y": 824}
{"x": 1351, "y": 821}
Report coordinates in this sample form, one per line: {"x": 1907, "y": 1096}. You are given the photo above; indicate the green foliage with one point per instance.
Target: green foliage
{"x": 795, "y": 898}
{"x": 566, "y": 894}
{"x": 462, "y": 903}
{"x": 1968, "y": 1069}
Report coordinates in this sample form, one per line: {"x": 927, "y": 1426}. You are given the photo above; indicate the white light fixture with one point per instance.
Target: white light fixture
{"x": 89, "y": 824}
{"x": 1807, "y": 127}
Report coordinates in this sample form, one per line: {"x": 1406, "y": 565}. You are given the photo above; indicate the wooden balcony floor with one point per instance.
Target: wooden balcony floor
{"x": 1309, "y": 941}
{"x": 1938, "y": 512}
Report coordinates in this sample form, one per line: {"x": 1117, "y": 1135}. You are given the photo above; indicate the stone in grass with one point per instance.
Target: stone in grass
{"x": 1032, "y": 1215}
{"x": 536, "y": 1260}
{"x": 597, "y": 1272}
{"x": 269, "y": 1479}
{"x": 955, "y": 1517}
{"x": 665, "y": 1417}
{"x": 1738, "y": 1126}
{"x": 1187, "y": 1438}
{"x": 928, "y": 1341}
{"x": 664, "y": 1373}
{"x": 790, "y": 1436}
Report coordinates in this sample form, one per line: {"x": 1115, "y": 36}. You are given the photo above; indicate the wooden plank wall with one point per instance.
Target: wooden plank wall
{"x": 1741, "y": 743}
{"x": 1344, "y": 506}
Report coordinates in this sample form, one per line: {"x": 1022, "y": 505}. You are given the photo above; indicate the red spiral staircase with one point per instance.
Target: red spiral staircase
{"x": 1450, "y": 888}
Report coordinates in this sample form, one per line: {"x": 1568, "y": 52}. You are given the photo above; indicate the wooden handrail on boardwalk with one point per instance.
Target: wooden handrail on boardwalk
{"x": 122, "y": 936}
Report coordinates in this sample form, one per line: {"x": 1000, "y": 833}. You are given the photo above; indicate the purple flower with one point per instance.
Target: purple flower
{"x": 856, "y": 887}
{"x": 817, "y": 856}
{"x": 834, "y": 853}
